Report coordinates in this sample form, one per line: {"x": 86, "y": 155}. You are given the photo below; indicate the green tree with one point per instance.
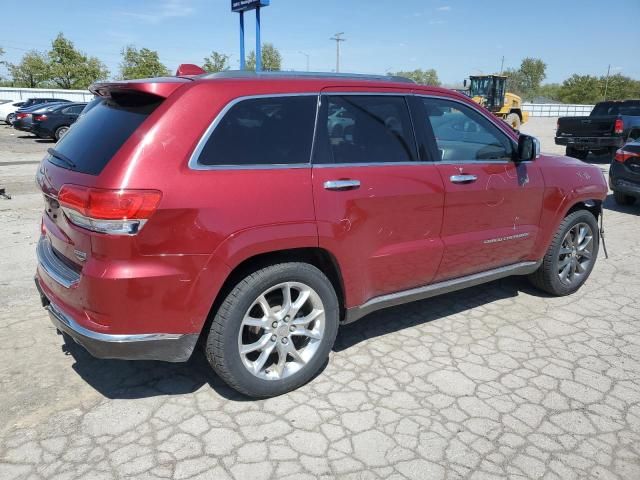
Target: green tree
{"x": 620, "y": 87}
{"x": 526, "y": 80}
{"x": 581, "y": 89}
{"x": 217, "y": 62}
{"x": 271, "y": 58}
{"x": 423, "y": 77}
{"x": 71, "y": 68}
{"x": 143, "y": 63}
{"x": 32, "y": 71}
{"x": 549, "y": 90}
{"x": 533, "y": 72}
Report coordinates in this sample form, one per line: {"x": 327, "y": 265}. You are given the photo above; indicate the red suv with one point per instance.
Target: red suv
{"x": 255, "y": 213}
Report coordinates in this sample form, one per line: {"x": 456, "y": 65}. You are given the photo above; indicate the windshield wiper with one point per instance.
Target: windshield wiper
{"x": 60, "y": 156}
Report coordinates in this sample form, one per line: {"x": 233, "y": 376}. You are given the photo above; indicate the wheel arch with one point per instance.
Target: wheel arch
{"x": 592, "y": 205}
{"x": 316, "y": 256}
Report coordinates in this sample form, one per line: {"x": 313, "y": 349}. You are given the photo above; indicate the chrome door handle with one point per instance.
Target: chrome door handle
{"x": 463, "y": 178}
{"x": 341, "y": 184}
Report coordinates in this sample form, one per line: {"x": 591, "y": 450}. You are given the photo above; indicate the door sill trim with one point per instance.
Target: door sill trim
{"x": 439, "y": 288}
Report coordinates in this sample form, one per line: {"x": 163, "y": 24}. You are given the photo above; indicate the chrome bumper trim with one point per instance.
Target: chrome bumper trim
{"x": 168, "y": 347}
{"x": 53, "y": 266}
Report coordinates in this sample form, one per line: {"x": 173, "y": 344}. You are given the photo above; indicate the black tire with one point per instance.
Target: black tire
{"x": 10, "y": 118}
{"x": 546, "y": 278}
{"x": 513, "y": 119}
{"x": 222, "y": 349}
{"x": 623, "y": 199}
{"x": 579, "y": 154}
{"x": 61, "y": 132}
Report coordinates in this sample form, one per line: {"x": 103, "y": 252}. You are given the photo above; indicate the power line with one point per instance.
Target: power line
{"x": 338, "y": 38}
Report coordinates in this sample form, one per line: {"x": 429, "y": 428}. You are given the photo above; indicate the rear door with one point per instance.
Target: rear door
{"x": 378, "y": 207}
{"x": 492, "y": 204}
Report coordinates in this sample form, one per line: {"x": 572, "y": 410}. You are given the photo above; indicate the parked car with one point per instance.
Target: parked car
{"x": 606, "y": 129}
{"x": 207, "y": 208}
{"x": 624, "y": 174}
{"x": 55, "y": 122}
{"x": 36, "y": 101}
{"x": 7, "y": 111}
{"x": 24, "y": 116}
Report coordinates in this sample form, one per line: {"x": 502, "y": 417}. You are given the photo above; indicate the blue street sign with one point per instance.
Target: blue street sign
{"x": 244, "y": 5}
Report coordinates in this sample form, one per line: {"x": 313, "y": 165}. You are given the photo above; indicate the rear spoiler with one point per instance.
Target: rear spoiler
{"x": 160, "y": 87}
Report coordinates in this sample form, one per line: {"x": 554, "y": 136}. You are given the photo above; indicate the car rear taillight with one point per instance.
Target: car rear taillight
{"x": 618, "y": 128}
{"x": 39, "y": 118}
{"x": 624, "y": 155}
{"x": 21, "y": 115}
{"x": 118, "y": 212}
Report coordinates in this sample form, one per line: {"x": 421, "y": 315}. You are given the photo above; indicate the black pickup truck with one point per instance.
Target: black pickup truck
{"x": 606, "y": 129}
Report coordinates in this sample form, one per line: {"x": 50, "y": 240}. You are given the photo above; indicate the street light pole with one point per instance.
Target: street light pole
{"x": 606, "y": 83}
{"x": 306, "y": 55}
{"x": 338, "y": 38}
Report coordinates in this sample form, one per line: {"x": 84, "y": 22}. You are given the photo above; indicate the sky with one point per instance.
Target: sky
{"x": 456, "y": 37}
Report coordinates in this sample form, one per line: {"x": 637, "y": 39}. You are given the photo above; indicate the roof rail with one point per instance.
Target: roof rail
{"x": 293, "y": 74}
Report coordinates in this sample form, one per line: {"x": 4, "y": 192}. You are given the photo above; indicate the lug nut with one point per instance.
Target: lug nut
{"x": 273, "y": 338}
{"x": 285, "y": 340}
{"x": 274, "y": 324}
{"x": 286, "y": 318}
{"x": 292, "y": 328}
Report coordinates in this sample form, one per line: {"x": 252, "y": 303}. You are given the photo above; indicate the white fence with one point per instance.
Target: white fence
{"x": 17, "y": 94}
{"x": 556, "y": 110}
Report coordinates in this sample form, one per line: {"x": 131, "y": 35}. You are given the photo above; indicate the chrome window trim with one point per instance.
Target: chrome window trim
{"x": 399, "y": 93}
{"x": 194, "y": 164}
{"x": 482, "y": 113}
{"x": 514, "y": 144}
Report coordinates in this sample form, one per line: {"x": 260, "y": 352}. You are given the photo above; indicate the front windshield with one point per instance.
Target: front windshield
{"x": 480, "y": 86}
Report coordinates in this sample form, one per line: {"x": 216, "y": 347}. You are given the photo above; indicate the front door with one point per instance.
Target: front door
{"x": 492, "y": 203}
{"x": 378, "y": 208}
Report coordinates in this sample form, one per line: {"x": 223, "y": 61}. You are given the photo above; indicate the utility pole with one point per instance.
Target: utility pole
{"x": 338, "y": 38}
{"x": 606, "y": 83}
{"x": 502, "y": 65}
{"x": 306, "y": 55}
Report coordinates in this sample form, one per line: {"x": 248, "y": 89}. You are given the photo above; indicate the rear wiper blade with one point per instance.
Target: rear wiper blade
{"x": 60, "y": 156}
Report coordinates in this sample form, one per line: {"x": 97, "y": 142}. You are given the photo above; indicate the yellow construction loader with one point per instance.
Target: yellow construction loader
{"x": 489, "y": 91}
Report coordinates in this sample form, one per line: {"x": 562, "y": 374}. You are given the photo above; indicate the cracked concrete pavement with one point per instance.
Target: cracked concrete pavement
{"x": 497, "y": 381}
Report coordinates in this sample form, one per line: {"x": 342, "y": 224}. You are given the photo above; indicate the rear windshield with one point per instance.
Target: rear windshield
{"x": 98, "y": 135}
{"x": 617, "y": 108}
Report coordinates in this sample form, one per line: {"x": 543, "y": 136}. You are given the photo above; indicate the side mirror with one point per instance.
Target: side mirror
{"x": 465, "y": 83}
{"x": 528, "y": 148}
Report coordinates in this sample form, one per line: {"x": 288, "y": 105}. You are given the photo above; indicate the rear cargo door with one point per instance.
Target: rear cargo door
{"x": 79, "y": 158}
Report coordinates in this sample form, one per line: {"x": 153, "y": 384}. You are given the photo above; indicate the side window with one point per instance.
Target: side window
{"x": 461, "y": 133}
{"x": 263, "y": 131}
{"x": 368, "y": 129}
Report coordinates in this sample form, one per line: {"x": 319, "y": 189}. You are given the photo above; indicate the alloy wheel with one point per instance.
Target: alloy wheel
{"x": 576, "y": 253}
{"x": 281, "y": 331}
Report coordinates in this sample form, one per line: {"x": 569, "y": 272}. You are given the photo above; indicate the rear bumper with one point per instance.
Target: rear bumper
{"x": 167, "y": 347}
{"x": 620, "y": 180}
{"x": 41, "y": 131}
{"x": 590, "y": 143}
{"x": 22, "y": 127}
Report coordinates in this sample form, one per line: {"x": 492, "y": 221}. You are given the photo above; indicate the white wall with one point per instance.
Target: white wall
{"x": 17, "y": 94}
{"x": 556, "y": 110}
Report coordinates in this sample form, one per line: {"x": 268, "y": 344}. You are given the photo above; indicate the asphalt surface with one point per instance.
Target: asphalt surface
{"x": 497, "y": 381}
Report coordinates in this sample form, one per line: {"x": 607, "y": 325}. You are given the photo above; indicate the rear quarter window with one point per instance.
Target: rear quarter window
{"x": 262, "y": 131}
{"x": 94, "y": 140}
